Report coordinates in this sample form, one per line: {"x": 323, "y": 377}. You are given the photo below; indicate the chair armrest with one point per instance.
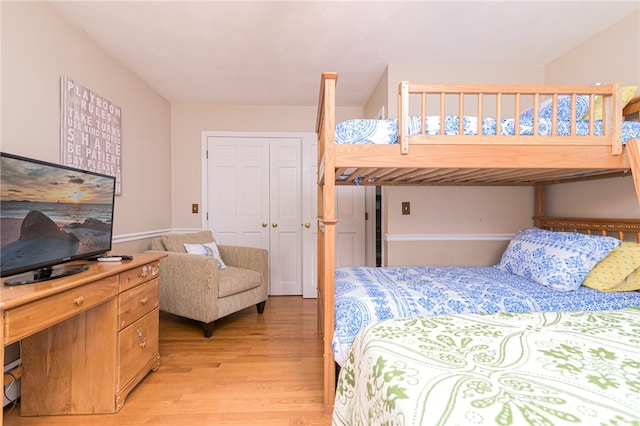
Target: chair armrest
{"x": 189, "y": 285}
{"x": 244, "y": 257}
{"x": 255, "y": 259}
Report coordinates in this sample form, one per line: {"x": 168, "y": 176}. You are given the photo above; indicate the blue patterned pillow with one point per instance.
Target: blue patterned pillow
{"x": 367, "y": 131}
{"x": 559, "y": 260}
{"x": 564, "y": 109}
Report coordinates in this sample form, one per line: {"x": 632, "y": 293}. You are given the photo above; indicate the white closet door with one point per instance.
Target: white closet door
{"x": 261, "y": 192}
{"x": 286, "y": 215}
{"x": 350, "y": 230}
{"x": 238, "y": 190}
{"x": 254, "y": 191}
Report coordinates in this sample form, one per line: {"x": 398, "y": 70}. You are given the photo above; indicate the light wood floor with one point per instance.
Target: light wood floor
{"x": 255, "y": 370}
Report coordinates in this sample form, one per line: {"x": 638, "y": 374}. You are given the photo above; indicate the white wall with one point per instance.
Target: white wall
{"x": 610, "y": 56}
{"x": 379, "y": 98}
{"x": 38, "y": 47}
{"x": 454, "y": 225}
{"x": 188, "y": 121}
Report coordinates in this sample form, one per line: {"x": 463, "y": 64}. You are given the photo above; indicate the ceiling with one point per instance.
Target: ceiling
{"x": 273, "y": 52}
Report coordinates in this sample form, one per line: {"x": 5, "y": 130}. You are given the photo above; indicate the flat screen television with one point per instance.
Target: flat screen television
{"x": 51, "y": 214}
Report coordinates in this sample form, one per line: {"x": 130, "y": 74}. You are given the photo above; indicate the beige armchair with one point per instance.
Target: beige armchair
{"x": 192, "y": 286}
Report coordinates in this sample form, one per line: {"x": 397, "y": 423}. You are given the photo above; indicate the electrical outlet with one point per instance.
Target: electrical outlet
{"x": 194, "y": 208}
{"x": 406, "y": 207}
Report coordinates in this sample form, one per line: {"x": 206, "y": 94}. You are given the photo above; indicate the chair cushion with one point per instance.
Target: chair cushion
{"x": 176, "y": 242}
{"x": 237, "y": 280}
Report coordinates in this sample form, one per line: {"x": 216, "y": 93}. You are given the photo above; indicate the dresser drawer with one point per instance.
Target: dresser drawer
{"x": 137, "y": 301}
{"x": 135, "y": 276}
{"x": 138, "y": 345}
{"x": 35, "y": 316}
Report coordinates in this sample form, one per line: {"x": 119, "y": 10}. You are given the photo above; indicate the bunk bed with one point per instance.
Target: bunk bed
{"x": 482, "y": 140}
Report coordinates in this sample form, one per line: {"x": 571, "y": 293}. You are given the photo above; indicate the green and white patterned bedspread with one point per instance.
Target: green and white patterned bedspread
{"x": 542, "y": 368}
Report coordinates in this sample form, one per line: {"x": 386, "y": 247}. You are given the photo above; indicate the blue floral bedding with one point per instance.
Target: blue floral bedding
{"x": 369, "y": 131}
{"x": 364, "y": 295}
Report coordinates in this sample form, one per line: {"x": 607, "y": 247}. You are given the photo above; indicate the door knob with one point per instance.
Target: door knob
{"x": 307, "y": 225}
{"x": 274, "y": 224}
{"x": 264, "y": 224}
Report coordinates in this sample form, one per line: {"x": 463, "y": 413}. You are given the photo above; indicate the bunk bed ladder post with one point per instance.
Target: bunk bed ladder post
{"x": 634, "y": 160}
{"x": 327, "y": 240}
{"x": 539, "y": 204}
{"x": 461, "y": 113}
{"x": 516, "y": 114}
{"x": 616, "y": 124}
{"x": 480, "y": 113}
{"x": 403, "y": 117}
{"x": 498, "y": 112}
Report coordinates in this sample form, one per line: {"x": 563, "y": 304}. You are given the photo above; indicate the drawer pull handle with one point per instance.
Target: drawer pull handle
{"x": 144, "y": 301}
{"x": 79, "y": 300}
{"x": 144, "y": 272}
{"x": 143, "y": 340}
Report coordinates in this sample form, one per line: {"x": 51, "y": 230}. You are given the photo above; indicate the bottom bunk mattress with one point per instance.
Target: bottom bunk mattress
{"x": 364, "y": 295}
{"x": 508, "y": 369}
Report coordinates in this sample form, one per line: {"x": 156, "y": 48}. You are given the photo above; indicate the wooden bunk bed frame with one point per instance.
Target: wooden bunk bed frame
{"x": 421, "y": 159}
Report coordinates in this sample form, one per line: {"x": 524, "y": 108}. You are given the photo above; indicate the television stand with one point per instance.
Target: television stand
{"x": 44, "y": 274}
{"x": 87, "y": 339}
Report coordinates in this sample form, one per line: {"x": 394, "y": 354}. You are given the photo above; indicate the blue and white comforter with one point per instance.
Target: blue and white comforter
{"x": 364, "y": 295}
{"x": 369, "y": 131}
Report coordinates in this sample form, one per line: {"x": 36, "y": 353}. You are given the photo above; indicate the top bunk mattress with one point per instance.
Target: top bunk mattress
{"x": 371, "y": 131}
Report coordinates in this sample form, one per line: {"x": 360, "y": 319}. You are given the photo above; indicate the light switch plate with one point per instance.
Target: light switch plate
{"x": 406, "y": 207}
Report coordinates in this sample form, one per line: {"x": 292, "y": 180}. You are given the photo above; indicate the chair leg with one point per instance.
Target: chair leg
{"x": 207, "y": 328}
{"x": 260, "y": 306}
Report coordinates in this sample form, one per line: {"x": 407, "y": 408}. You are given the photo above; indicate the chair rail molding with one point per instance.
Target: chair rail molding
{"x": 136, "y": 236}
{"x": 447, "y": 237}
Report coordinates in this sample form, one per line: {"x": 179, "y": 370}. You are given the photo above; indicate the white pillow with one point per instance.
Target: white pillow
{"x": 559, "y": 260}
{"x": 208, "y": 249}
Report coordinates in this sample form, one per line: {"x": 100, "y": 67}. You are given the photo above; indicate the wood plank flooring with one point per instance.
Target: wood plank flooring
{"x": 254, "y": 370}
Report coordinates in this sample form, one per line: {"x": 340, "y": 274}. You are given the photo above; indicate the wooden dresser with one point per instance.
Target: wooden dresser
{"x": 87, "y": 339}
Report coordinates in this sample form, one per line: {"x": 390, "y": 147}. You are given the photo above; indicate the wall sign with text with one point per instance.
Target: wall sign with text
{"x": 91, "y": 131}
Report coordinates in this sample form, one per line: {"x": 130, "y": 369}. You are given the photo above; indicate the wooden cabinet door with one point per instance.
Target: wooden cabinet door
{"x": 138, "y": 345}
{"x": 70, "y": 367}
